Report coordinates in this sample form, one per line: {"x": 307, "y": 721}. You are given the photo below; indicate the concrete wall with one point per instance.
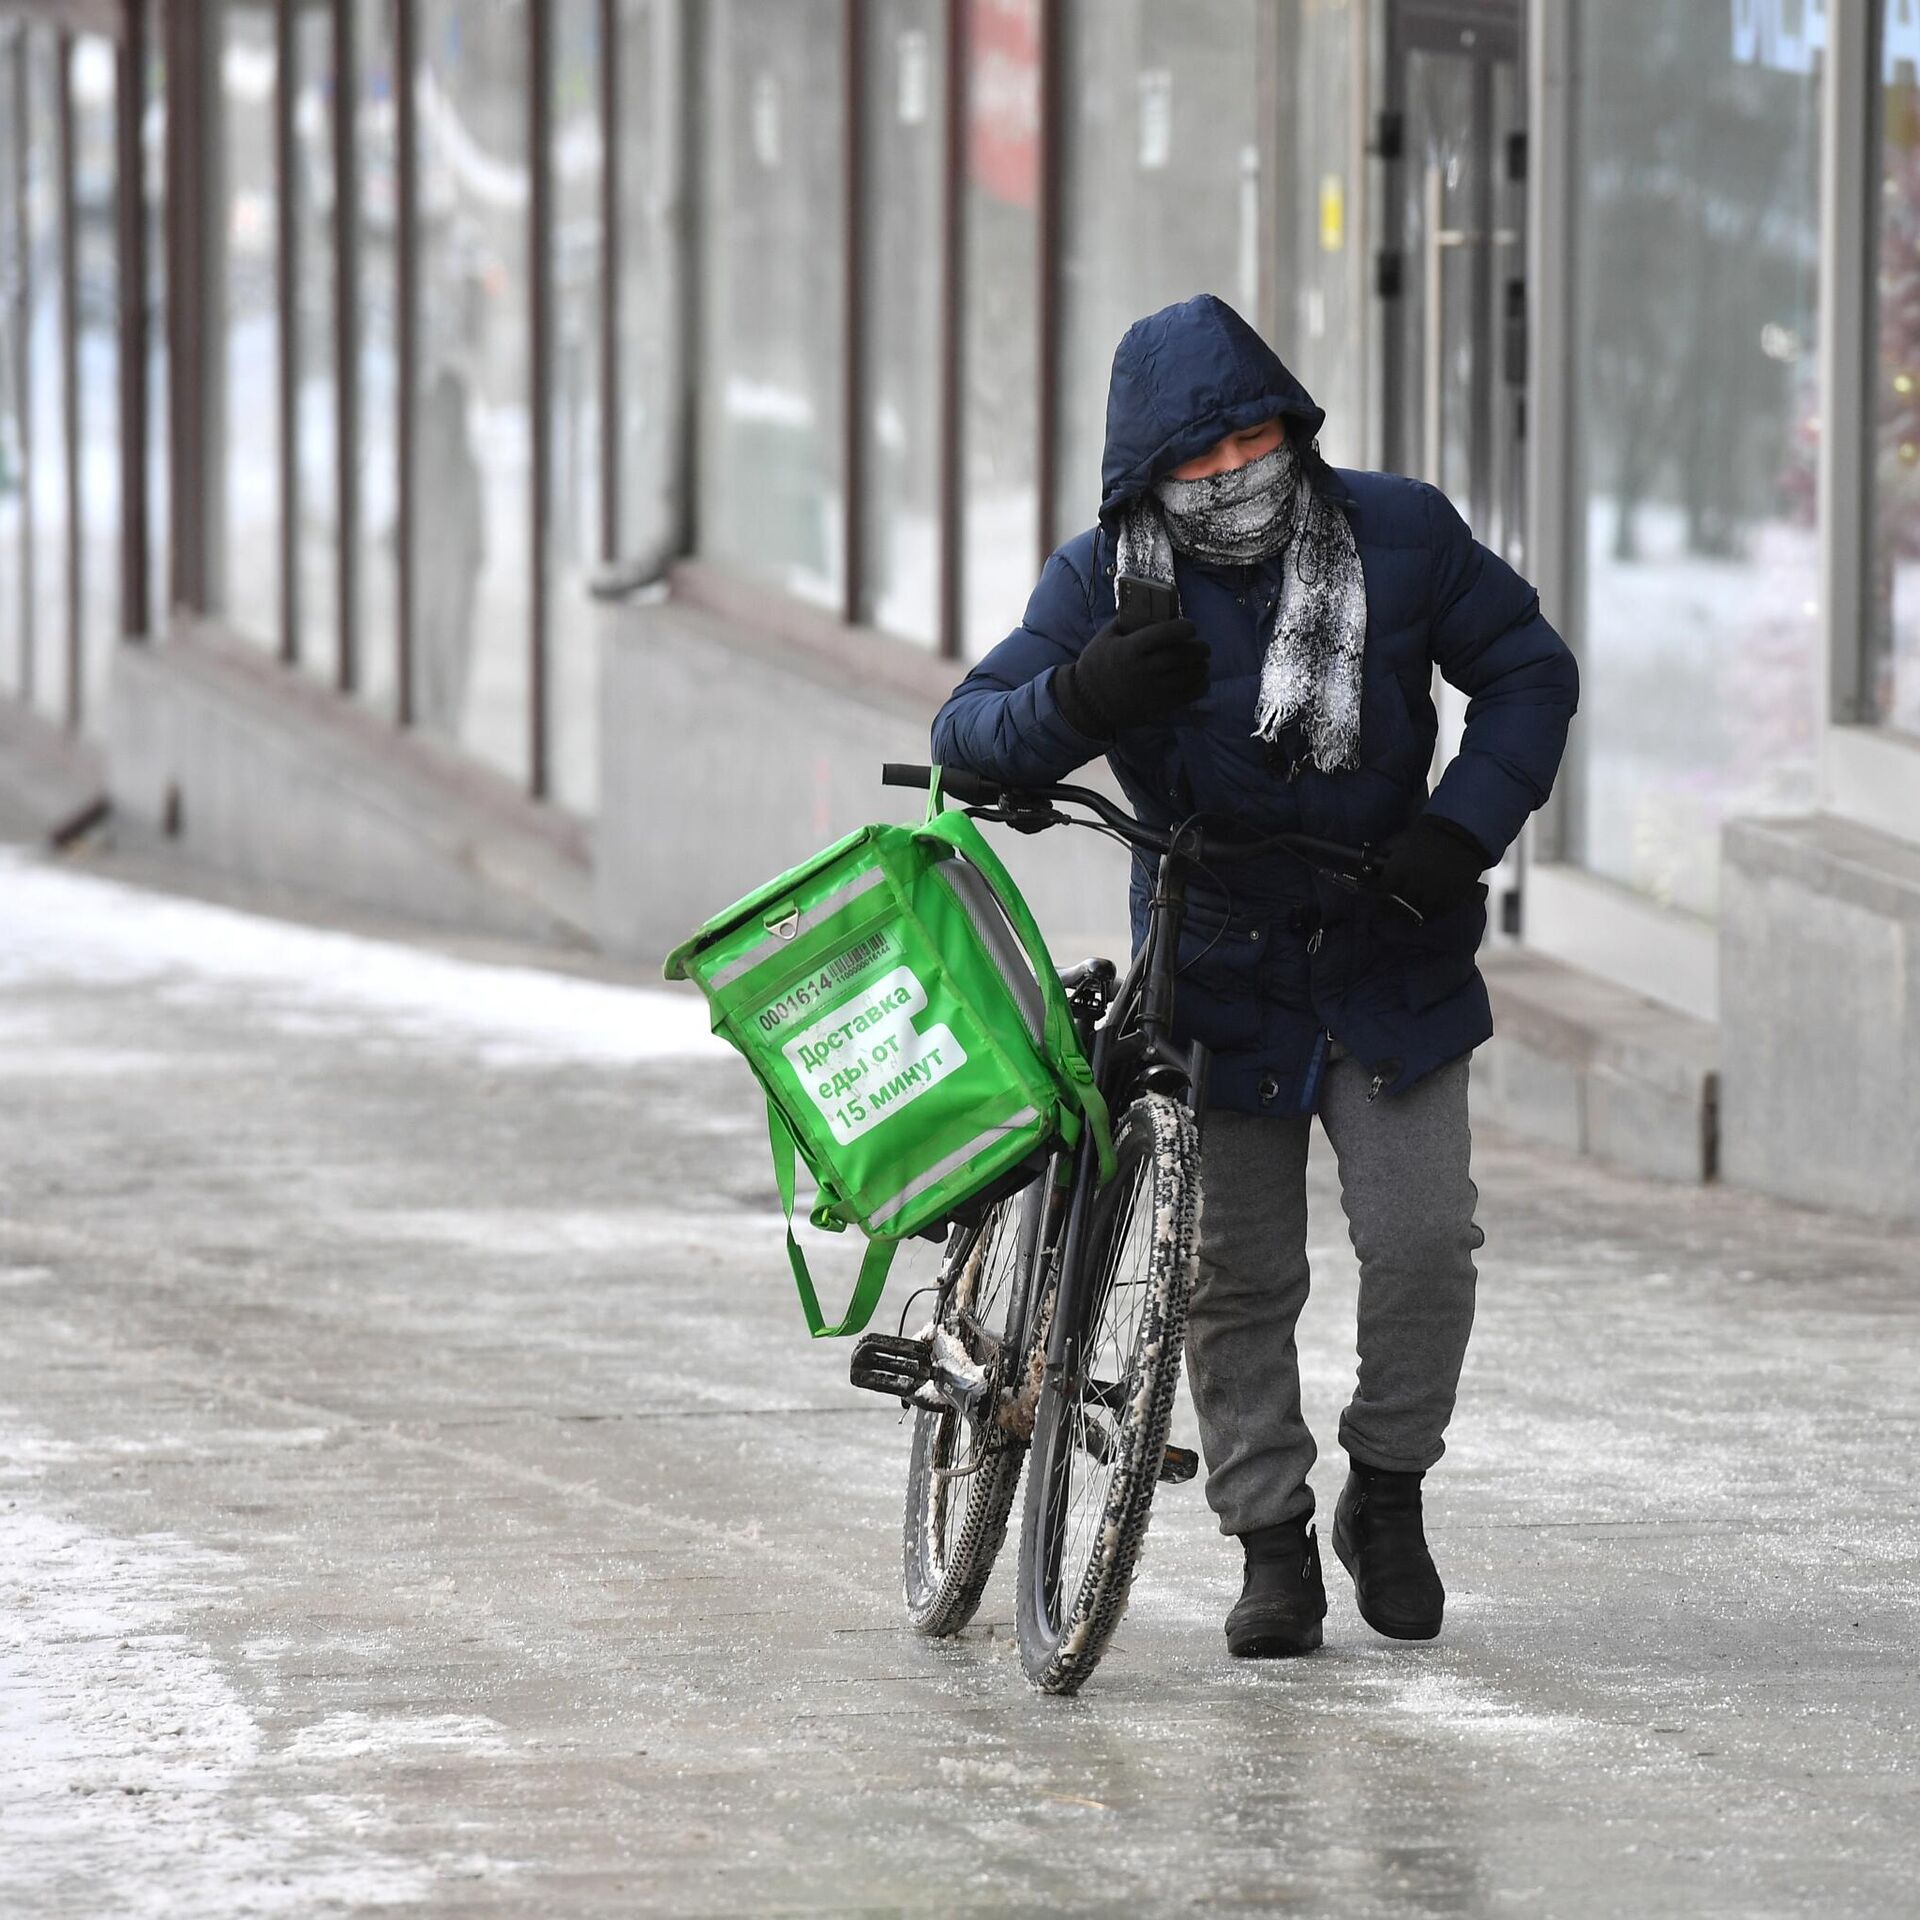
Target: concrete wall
{"x": 271, "y": 779}
{"x": 1820, "y": 1014}
{"x": 724, "y": 760}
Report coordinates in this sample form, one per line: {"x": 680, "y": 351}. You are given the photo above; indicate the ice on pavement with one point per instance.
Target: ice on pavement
{"x": 130, "y": 1766}
{"x": 58, "y": 926}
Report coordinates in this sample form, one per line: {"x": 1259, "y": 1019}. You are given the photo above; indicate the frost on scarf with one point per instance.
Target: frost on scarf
{"x": 1312, "y": 670}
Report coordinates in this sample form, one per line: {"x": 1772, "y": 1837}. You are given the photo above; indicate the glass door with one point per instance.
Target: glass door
{"x": 1453, "y": 279}
{"x": 1452, "y": 274}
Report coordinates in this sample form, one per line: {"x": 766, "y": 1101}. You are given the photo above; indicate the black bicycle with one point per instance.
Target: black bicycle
{"x": 1060, "y": 1307}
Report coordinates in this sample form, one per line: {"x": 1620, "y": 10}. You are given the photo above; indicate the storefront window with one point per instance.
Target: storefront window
{"x": 1161, "y": 193}
{"x": 472, "y": 441}
{"x": 376, "y": 138}
{"x": 773, "y": 492}
{"x": 1000, "y": 355}
{"x": 649, "y": 118}
{"x": 574, "y": 387}
{"x": 905, "y": 148}
{"x": 1696, "y": 249}
{"x": 46, "y": 383}
{"x": 1892, "y": 681}
{"x": 153, "y": 153}
{"x": 96, "y": 194}
{"x": 13, "y": 478}
{"x": 243, "y": 283}
{"x": 1319, "y": 289}
{"x": 316, "y": 390}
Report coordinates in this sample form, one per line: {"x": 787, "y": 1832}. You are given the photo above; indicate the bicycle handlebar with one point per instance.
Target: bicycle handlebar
{"x": 1349, "y": 864}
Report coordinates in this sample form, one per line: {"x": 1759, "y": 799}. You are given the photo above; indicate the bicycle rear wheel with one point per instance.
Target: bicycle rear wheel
{"x": 965, "y": 1467}
{"x": 1099, "y": 1442}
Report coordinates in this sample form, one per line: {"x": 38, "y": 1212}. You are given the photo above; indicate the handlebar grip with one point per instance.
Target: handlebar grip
{"x": 955, "y": 783}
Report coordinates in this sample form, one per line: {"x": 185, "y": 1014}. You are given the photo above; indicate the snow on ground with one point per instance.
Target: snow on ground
{"x": 126, "y": 1756}
{"x": 58, "y": 926}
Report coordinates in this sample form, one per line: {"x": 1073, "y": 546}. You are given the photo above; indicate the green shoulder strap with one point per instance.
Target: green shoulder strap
{"x": 1062, "y": 1043}
{"x": 873, "y": 1266}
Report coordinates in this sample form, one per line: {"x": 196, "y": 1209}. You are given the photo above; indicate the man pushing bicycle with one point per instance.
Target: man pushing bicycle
{"x": 1248, "y": 636}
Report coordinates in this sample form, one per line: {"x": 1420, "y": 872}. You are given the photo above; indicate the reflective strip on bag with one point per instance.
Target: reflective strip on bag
{"x": 933, "y": 1175}
{"x": 775, "y": 943}
{"x": 972, "y": 889}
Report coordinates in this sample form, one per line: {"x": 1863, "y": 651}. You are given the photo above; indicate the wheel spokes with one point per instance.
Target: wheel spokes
{"x": 979, "y": 1294}
{"x": 1088, "y": 1449}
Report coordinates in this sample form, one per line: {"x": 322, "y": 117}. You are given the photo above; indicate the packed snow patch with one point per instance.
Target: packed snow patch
{"x": 1449, "y": 1704}
{"x": 365, "y": 1736}
{"x": 66, "y": 929}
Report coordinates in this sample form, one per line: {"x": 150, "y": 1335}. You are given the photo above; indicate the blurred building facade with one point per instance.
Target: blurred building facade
{"x": 361, "y": 360}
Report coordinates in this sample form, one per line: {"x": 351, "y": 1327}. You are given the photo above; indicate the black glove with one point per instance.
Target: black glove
{"x": 1122, "y": 680}
{"x": 1433, "y": 866}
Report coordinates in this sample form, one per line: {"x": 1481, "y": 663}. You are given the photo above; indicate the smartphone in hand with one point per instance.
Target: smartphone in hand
{"x": 1144, "y": 603}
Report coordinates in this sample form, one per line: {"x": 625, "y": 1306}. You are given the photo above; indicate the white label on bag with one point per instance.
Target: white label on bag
{"x": 866, "y": 1059}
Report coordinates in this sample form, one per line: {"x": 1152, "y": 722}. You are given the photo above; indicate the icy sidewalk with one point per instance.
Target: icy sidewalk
{"x": 417, "y": 1493}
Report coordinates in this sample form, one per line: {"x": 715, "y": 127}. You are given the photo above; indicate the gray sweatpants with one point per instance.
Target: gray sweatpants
{"x": 1409, "y": 1201}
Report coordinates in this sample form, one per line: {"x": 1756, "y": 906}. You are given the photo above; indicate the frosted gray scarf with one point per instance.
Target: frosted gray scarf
{"x": 1312, "y": 668}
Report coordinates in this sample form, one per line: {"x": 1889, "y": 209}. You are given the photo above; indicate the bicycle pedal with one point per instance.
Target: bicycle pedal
{"x": 1179, "y": 1464}
{"x": 885, "y": 1363}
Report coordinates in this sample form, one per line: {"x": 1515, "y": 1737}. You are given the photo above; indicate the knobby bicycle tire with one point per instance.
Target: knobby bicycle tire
{"x": 1063, "y": 1634}
{"x": 944, "y": 1579}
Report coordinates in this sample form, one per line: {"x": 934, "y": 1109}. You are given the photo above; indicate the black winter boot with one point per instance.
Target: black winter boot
{"x": 1284, "y": 1599}
{"x": 1380, "y": 1541}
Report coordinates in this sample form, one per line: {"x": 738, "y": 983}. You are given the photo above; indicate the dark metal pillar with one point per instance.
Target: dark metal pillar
{"x": 853, "y": 321}
{"x": 70, "y": 378}
{"x": 406, "y": 295}
{"x": 191, "y": 181}
{"x": 1046, "y": 464}
{"x": 612, "y": 243}
{"x": 952, "y": 325}
{"x": 540, "y": 352}
{"x": 136, "y": 613}
{"x": 287, "y": 254}
{"x": 853, "y": 360}
{"x": 346, "y": 340}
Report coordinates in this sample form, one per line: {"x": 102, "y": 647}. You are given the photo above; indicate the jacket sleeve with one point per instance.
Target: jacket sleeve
{"x": 1002, "y": 720}
{"x": 1490, "y": 639}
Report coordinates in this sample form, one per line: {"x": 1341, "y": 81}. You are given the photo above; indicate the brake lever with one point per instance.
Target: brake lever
{"x": 1365, "y": 882}
{"x": 1033, "y": 819}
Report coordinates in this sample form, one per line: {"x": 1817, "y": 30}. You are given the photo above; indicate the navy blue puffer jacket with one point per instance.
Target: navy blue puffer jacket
{"x": 1280, "y": 960}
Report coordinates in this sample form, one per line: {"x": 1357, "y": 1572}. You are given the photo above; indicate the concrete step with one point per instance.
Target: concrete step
{"x": 265, "y": 776}
{"x": 50, "y": 779}
{"x": 1579, "y": 1063}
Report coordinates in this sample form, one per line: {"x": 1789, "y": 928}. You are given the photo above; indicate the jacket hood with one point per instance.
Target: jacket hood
{"x": 1183, "y": 378}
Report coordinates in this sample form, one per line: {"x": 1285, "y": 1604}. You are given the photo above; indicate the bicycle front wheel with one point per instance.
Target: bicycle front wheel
{"x": 965, "y": 1467}
{"x": 1100, "y": 1441}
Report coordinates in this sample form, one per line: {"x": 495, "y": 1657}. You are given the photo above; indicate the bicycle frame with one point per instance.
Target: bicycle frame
{"x": 1132, "y": 1052}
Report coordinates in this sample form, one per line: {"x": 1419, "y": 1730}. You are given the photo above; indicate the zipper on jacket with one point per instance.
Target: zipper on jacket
{"x": 1310, "y": 1088}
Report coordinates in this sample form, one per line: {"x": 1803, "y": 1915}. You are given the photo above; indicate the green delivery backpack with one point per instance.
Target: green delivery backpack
{"x": 898, "y": 1006}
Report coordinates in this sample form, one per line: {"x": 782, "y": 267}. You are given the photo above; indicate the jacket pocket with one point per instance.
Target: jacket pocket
{"x": 1216, "y": 998}
{"x": 1436, "y": 957}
